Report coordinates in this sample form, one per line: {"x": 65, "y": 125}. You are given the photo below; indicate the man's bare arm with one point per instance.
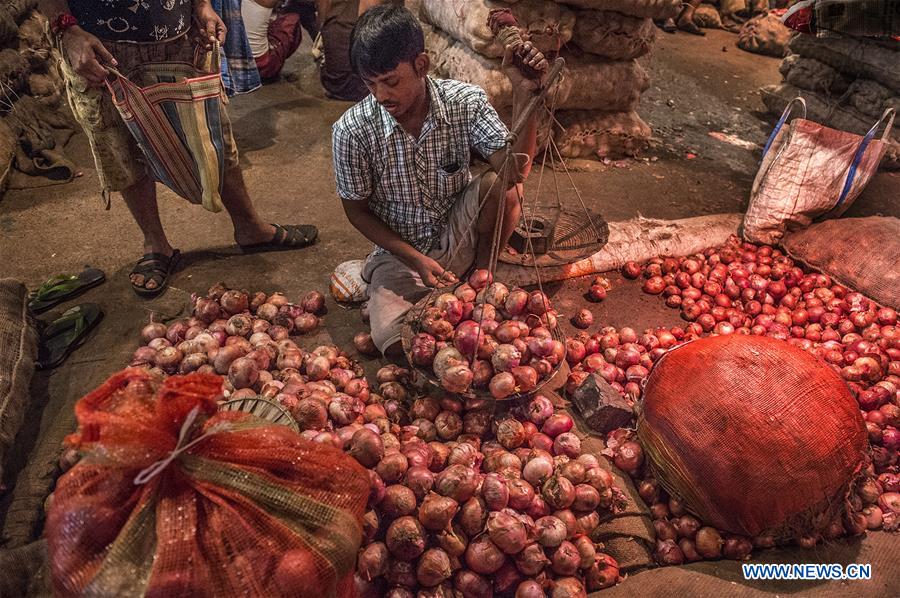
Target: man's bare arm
{"x": 84, "y": 52}
{"x": 372, "y": 228}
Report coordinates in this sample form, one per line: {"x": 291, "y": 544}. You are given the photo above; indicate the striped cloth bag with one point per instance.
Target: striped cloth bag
{"x": 176, "y": 118}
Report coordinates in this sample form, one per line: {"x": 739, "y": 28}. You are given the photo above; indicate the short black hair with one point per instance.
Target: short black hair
{"x": 385, "y": 36}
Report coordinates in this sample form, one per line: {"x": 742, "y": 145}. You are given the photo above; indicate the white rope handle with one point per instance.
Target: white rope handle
{"x": 157, "y": 468}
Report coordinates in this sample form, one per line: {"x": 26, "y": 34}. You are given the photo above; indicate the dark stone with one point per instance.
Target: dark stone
{"x": 602, "y": 408}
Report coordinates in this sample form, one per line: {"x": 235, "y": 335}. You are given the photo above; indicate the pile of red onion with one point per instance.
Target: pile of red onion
{"x": 463, "y": 499}
{"x": 741, "y": 288}
{"x": 487, "y": 336}
{"x": 468, "y": 500}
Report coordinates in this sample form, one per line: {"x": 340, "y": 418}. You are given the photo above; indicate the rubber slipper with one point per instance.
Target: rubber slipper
{"x": 65, "y": 334}
{"x": 157, "y": 267}
{"x": 287, "y": 237}
{"x": 61, "y": 288}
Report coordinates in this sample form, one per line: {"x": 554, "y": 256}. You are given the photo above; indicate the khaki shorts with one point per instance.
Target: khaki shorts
{"x": 394, "y": 287}
{"x": 120, "y": 162}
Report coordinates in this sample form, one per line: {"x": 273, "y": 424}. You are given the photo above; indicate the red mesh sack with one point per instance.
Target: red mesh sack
{"x": 754, "y": 434}
{"x": 172, "y": 498}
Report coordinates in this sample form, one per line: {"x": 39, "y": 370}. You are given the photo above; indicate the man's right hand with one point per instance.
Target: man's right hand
{"x": 86, "y": 54}
{"x": 433, "y": 274}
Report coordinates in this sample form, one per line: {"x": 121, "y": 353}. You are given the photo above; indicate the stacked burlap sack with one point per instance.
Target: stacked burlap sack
{"x": 847, "y": 84}
{"x": 596, "y": 99}
{"x": 31, "y": 94}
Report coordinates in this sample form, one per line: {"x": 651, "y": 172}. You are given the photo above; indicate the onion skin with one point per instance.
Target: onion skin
{"x": 406, "y": 538}
{"x": 483, "y": 557}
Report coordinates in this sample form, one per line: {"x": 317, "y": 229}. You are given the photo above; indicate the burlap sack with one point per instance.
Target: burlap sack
{"x": 824, "y": 109}
{"x": 708, "y": 17}
{"x": 596, "y": 84}
{"x": 627, "y": 535}
{"x": 8, "y": 144}
{"x": 613, "y": 35}
{"x": 591, "y": 134}
{"x": 811, "y": 74}
{"x": 549, "y": 25}
{"x": 648, "y": 9}
{"x": 872, "y": 98}
{"x": 764, "y": 34}
{"x": 24, "y": 570}
{"x": 858, "y": 58}
{"x": 860, "y": 253}
{"x": 18, "y": 340}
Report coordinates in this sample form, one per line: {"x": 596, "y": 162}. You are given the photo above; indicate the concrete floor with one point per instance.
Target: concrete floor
{"x": 700, "y": 85}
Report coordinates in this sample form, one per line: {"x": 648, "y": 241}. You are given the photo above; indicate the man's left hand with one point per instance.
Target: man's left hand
{"x": 531, "y": 57}
{"x": 210, "y": 28}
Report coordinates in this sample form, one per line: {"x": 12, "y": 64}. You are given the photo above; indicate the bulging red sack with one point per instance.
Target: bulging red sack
{"x": 754, "y": 434}
{"x": 172, "y": 498}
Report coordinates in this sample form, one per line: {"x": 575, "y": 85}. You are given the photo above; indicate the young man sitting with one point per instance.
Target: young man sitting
{"x": 401, "y": 161}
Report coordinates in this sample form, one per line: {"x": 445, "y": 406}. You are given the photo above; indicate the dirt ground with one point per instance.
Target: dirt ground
{"x": 699, "y": 86}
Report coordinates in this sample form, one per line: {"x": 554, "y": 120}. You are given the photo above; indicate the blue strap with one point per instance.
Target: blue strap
{"x": 854, "y": 166}
{"x": 784, "y": 116}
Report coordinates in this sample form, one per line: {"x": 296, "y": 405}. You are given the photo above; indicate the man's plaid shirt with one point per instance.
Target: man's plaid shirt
{"x": 411, "y": 185}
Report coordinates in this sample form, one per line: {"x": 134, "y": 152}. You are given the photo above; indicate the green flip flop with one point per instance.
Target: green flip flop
{"x": 62, "y": 288}
{"x": 65, "y": 334}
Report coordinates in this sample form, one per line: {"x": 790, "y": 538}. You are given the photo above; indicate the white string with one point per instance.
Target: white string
{"x": 157, "y": 468}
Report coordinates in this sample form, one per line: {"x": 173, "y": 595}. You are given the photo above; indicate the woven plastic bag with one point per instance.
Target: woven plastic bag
{"x": 810, "y": 171}
{"x": 754, "y": 434}
{"x": 174, "y": 112}
{"x": 172, "y": 498}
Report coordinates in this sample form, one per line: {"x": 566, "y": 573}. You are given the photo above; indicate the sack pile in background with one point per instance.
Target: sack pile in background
{"x": 600, "y": 39}
{"x": 847, "y": 84}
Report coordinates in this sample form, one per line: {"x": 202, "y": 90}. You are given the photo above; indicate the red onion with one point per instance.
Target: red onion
{"x": 372, "y": 561}
{"x": 542, "y": 442}
{"x": 142, "y": 356}
{"x": 631, "y": 270}
{"x": 689, "y": 550}
{"x": 538, "y": 470}
{"x": 665, "y": 530}
{"x": 392, "y": 466}
{"x": 310, "y": 414}
{"x": 449, "y": 425}
{"x": 529, "y": 589}
{"x": 566, "y": 559}
{"x": 550, "y": 531}
{"x": 457, "y": 481}
{"x": 495, "y": 492}
{"x": 567, "y": 444}
{"x": 604, "y": 573}
{"x": 471, "y": 585}
{"x": 521, "y": 493}
{"x": 424, "y": 348}
{"x": 557, "y": 424}
{"x": 510, "y": 433}
{"x": 502, "y": 385}
{"x": 433, "y": 568}
{"x": 668, "y": 553}
{"x": 402, "y": 573}
{"x": 153, "y": 330}
{"x": 483, "y": 556}
{"x": 574, "y": 471}
{"x": 313, "y": 302}
{"x": 874, "y": 517}
{"x": 630, "y": 456}
{"x": 709, "y": 543}
{"x": 406, "y": 538}
{"x": 686, "y": 526}
{"x": 436, "y": 512}
{"x": 568, "y": 587}
{"x": 398, "y": 501}
{"x": 586, "y": 498}
{"x": 737, "y": 548}
{"x": 420, "y": 480}
{"x": 472, "y": 516}
{"x": 507, "y": 531}
{"x": 453, "y": 541}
